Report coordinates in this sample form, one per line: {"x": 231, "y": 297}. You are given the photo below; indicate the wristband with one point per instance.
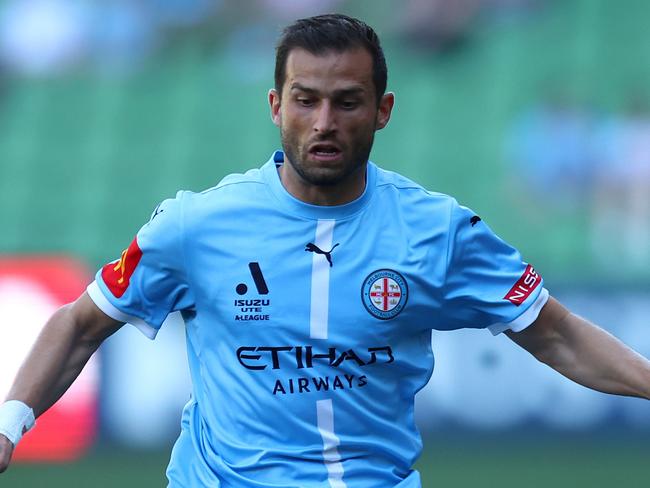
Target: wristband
{"x": 16, "y": 419}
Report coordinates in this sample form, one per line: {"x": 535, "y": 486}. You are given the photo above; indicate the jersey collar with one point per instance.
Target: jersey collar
{"x": 297, "y": 207}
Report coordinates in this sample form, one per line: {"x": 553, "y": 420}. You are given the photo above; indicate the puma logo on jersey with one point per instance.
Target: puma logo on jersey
{"x": 474, "y": 220}
{"x": 157, "y": 211}
{"x": 314, "y": 248}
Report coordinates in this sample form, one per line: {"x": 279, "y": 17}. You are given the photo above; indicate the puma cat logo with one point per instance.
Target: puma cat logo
{"x": 314, "y": 248}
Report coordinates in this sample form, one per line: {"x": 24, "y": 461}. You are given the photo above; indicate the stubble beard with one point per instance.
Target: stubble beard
{"x": 297, "y": 155}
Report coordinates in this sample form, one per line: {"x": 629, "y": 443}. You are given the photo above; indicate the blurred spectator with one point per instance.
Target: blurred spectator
{"x": 439, "y": 25}
{"x": 4, "y": 88}
{"x": 551, "y": 147}
{"x": 442, "y": 25}
{"x": 565, "y": 151}
{"x": 42, "y": 37}
{"x": 122, "y": 34}
{"x": 39, "y": 37}
{"x": 511, "y": 10}
{"x": 621, "y": 201}
{"x": 249, "y": 48}
{"x": 283, "y": 10}
{"x": 183, "y": 13}
{"x": 249, "y": 53}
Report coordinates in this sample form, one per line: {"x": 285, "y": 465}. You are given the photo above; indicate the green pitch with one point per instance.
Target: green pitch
{"x": 537, "y": 463}
{"x": 454, "y": 463}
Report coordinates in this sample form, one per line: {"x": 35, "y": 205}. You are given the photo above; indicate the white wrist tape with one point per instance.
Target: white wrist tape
{"x": 16, "y": 418}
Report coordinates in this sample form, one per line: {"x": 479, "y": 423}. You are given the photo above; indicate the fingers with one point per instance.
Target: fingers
{"x": 6, "y": 450}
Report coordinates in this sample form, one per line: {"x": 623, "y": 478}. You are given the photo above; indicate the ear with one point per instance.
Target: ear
{"x": 274, "y": 104}
{"x": 385, "y": 108}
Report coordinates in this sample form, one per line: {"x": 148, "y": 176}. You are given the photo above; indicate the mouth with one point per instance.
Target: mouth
{"x": 324, "y": 151}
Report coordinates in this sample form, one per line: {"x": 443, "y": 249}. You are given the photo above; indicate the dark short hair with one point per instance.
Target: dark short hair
{"x": 331, "y": 32}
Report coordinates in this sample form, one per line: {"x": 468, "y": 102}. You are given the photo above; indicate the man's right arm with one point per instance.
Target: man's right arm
{"x": 60, "y": 352}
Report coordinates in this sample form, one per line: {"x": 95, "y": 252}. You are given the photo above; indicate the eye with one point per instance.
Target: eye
{"x": 304, "y": 101}
{"x": 349, "y": 104}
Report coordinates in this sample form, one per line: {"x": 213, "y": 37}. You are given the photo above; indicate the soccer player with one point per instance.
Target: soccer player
{"x": 309, "y": 289}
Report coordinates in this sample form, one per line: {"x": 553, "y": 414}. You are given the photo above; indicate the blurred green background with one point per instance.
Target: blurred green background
{"x": 86, "y": 155}
{"x": 90, "y": 146}
{"x": 450, "y": 463}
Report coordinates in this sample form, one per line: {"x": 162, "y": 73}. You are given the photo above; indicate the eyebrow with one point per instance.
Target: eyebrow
{"x": 357, "y": 90}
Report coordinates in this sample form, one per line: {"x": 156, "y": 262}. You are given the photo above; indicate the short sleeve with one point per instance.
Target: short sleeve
{"x": 149, "y": 280}
{"x": 487, "y": 285}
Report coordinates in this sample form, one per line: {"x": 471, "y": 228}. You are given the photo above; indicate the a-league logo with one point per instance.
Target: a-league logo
{"x": 384, "y": 293}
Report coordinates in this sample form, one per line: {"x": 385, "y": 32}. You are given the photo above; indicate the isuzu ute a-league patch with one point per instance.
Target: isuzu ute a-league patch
{"x": 384, "y": 293}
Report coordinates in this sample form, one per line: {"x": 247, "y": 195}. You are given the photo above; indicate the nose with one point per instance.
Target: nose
{"x": 325, "y": 118}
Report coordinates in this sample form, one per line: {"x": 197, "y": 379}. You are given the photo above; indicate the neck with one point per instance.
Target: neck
{"x": 339, "y": 193}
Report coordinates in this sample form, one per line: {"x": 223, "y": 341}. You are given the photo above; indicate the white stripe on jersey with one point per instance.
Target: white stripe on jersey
{"x": 331, "y": 456}
{"x": 320, "y": 281}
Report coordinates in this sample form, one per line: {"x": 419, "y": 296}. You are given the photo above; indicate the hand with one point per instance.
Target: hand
{"x": 6, "y": 450}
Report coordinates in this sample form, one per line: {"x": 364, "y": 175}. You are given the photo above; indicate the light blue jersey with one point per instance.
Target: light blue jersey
{"x": 308, "y": 327}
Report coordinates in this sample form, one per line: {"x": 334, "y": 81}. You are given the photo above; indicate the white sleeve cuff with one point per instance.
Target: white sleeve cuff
{"x": 97, "y": 296}
{"x": 16, "y": 418}
{"x": 525, "y": 319}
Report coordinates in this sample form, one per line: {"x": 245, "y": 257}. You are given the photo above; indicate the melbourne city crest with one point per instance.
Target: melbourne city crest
{"x": 384, "y": 293}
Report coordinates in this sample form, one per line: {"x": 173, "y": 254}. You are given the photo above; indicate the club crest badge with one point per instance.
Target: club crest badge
{"x": 384, "y": 293}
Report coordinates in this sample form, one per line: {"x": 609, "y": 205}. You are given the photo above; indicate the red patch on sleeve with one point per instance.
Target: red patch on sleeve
{"x": 117, "y": 275}
{"x": 524, "y": 286}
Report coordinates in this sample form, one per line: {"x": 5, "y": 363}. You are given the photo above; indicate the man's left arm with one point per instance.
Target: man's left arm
{"x": 584, "y": 353}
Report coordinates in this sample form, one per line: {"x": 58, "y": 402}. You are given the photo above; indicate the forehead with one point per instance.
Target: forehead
{"x": 330, "y": 69}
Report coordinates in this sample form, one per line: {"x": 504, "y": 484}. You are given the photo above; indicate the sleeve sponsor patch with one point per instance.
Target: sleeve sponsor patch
{"x": 117, "y": 275}
{"x": 524, "y": 286}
